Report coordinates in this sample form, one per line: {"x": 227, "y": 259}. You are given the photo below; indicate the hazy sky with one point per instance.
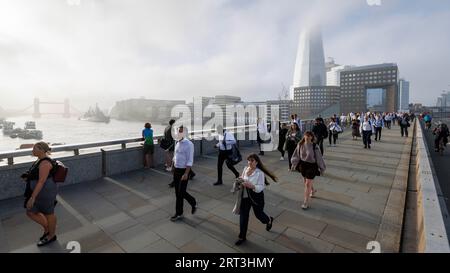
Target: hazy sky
{"x": 107, "y": 50}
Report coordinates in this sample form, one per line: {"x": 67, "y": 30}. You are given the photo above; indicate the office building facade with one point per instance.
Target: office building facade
{"x": 369, "y": 88}
{"x": 403, "y": 87}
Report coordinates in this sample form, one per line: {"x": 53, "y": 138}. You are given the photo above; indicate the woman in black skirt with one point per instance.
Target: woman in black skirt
{"x": 308, "y": 160}
{"x": 41, "y": 193}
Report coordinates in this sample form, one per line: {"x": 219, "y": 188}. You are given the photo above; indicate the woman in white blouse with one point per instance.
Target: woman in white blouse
{"x": 253, "y": 195}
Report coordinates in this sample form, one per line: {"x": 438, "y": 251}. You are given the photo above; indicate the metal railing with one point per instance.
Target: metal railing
{"x": 75, "y": 148}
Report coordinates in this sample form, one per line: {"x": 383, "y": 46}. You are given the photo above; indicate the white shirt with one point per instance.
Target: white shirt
{"x": 184, "y": 154}
{"x": 257, "y": 178}
{"x": 366, "y": 126}
{"x": 229, "y": 140}
{"x": 262, "y": 127}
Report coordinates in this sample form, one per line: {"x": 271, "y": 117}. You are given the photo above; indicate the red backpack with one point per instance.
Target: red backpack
{"x": 59, "y": 171}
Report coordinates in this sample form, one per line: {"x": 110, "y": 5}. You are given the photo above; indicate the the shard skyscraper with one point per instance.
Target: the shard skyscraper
{"x": 310, "y": 94}
{"x": 310, "y": 64}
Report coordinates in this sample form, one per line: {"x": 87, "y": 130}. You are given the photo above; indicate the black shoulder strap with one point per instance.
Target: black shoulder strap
{"x": 314, "y": 148}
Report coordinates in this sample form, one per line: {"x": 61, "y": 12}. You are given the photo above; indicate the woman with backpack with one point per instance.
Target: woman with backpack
{"x": 40, "y": 194}
{"x": 308, "y": 160}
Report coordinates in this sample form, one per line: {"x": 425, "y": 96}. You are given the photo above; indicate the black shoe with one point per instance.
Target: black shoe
{"x": 240, "y": 242}
{"x": 365, "y": 146}
{"x": 46, "y": 241}
{"x": 218, "y": 183}
{"x": 43, "y": 236}
{"x": 194, "y": 209}
{"x": 175, "y": 218}
{"x": 171, "y": 185}
{"x": 269, "y": 225}
{"x": 368, "y": 146}
{"x": 261, "y": 153}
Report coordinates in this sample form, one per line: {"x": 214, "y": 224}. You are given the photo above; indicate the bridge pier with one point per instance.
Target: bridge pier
{"x": 66, "y": 108}
{"x": 36, "y": 111}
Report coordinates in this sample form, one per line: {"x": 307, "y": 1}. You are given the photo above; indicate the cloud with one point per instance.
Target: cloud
{"x": 107, "y": 50}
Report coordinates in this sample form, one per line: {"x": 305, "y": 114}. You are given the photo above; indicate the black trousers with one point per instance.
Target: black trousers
{"x": 290, "y": 151}
{"x": 280, "y": 149}
{"x": 320, "y": 143}
{"x": 331, "y": 135}
{"x": 388, "y": 124}
{"x": 180, "y": 191}
{"x": 378, "y": 133}
{"x": 404, "y": 130}
{"x": 223, "y": 156}
{"x": 258, "y": 209}
{"x": 367, "y": 138}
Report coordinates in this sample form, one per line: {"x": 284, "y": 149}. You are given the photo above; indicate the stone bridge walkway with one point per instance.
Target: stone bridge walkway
{"x": 359, "y": 199}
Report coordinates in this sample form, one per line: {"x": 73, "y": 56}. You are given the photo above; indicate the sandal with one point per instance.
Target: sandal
{"x": 46, "y": 241}
{"x": 312, "y": 195}
{"x": 43, "y": 236}
{"x": 305, "y": 206}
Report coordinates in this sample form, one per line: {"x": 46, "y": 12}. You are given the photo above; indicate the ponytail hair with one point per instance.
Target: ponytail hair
{"x": 43, "y": 146}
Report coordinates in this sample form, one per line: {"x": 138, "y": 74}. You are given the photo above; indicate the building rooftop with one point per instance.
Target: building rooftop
{"x": 367, "y": 67}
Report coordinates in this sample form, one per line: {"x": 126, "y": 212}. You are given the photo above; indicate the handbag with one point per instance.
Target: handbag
{"x": 235, "y": 156}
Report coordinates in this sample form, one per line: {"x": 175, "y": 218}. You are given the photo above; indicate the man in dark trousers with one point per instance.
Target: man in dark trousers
{"x": 182, "y": 164}
{"x": 226, "y": 141}
{"x": 320, "y": 131}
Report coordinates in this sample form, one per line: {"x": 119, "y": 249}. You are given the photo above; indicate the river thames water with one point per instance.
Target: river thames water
{"x": 57, "y": 129}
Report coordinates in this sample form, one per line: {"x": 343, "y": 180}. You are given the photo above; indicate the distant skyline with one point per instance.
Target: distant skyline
{"x": 108, "y": 50}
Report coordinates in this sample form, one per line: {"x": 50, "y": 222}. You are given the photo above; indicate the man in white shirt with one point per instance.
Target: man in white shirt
{"x": 182, "y": 163}
{"x": 225, "y": 145}
{"x": 262, "y": 134}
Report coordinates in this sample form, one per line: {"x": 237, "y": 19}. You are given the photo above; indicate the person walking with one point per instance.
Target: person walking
{"x": 366, "y": 131}
{"x": 309, "y": 161}
{"x": 355, "y": 128}
{"x": 320, "y": 132}
{"x": 404, "y": 124}
{"x": 378, "y": 125}
{"x": 293, "y": 137}
{"x": 168, "y": 145}
{"x": 283, "y": 129}
{"x": 226, "y": 141}
{"x": 40, "y": 193}
{"x": 262, "y": 134}
{"x": 149, "y": 148}
{"x": 388, "y": 120}
{"x": 182, "y": 162}
{"x": 253, "y": 185}
{"x": 299, "y": 122}
{"x": 333, "y": 131}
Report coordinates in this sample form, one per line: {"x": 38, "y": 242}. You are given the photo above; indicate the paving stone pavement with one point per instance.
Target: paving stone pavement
{"x": 130, "y": 212}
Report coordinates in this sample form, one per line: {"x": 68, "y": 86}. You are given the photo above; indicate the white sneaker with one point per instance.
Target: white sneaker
{"x": 281, "y": 158}
{"x": 169, "y": 169}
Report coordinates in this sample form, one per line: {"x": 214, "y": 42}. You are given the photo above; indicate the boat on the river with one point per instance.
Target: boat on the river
{"x": 30, "y": 125}
{"x": 95, "y": 115}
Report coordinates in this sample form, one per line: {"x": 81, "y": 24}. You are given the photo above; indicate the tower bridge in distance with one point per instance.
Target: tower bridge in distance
{"x": 68, "y": 109}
